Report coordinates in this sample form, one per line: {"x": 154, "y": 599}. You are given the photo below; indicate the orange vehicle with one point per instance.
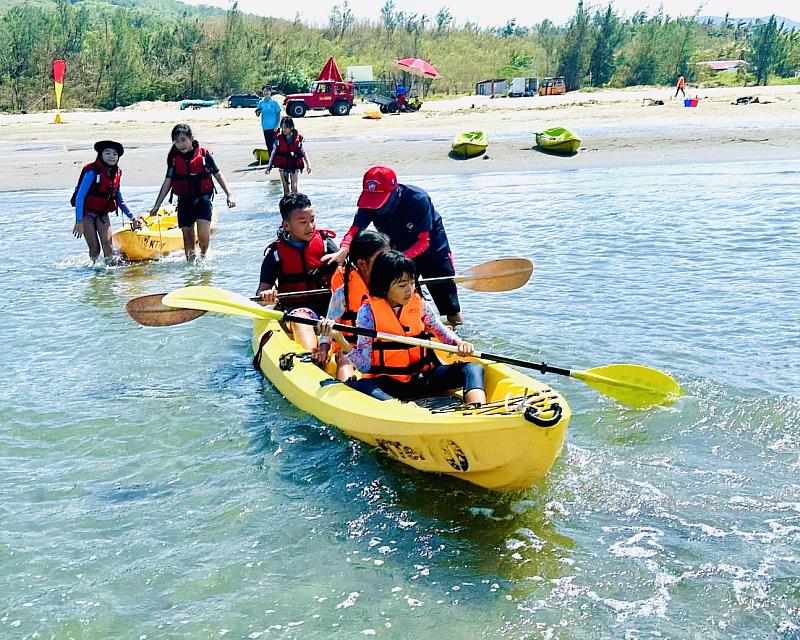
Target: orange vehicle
{"x": 553, "y": 86}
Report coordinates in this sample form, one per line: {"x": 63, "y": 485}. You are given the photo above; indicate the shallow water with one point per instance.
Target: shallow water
{"x": 153, "y": 485}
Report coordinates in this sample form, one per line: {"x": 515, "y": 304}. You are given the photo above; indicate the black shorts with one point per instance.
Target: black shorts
{"x": 190, "y": 210}
{"x": 444, "y": 294}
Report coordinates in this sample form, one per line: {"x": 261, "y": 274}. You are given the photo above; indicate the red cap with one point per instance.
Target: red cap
{"x": 379, "y": 182}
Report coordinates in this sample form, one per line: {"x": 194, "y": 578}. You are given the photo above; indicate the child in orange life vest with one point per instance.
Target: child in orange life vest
{"x": 190, "y": 169}
{"x": 289, "y": 155}
{"x": 392, "y": 369}
{"x": 349, "y": 286}
{"x": 98, "y": 194}
{"x": 293, "y": 263}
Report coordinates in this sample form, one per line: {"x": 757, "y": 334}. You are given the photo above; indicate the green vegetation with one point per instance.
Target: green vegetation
{"x": 123, "y": 51}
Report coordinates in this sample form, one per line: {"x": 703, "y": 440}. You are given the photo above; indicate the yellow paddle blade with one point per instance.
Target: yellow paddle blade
{"x": 632, "y": 384}
{"x": 503, "y": 274}
{"x": 219, "y": 301}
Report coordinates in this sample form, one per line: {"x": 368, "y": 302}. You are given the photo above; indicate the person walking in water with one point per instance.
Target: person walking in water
{"x": 679, "y": 86}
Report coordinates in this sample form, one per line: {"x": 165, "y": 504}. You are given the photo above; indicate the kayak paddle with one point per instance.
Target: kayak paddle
{"x": 630, "y": 384}
{"x": 503, "y": 274}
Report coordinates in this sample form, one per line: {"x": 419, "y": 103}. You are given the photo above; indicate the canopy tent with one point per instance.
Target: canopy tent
{"x": 330, "y": 72}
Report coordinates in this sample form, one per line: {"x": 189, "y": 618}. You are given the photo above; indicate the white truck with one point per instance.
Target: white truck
{"x": 523, "y": 87}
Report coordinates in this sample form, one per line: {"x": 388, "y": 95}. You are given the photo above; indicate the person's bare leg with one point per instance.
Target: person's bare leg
{"x": 103, "y": 224}
{"x": 188, "y": 242}
{"x": 90, "y": 235}
{"x": 285, "y": 183}
{"x": 294, "y": 181}
{"x": 344, "y": 368}
{"x": 475, "y": 396}
{"x": 455, "y": 318}
{"x": 304, "y": 335}
{"x": 203, "y": 236}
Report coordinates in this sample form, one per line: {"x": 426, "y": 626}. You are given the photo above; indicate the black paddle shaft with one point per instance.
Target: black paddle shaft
{"x": 542, "y": 367}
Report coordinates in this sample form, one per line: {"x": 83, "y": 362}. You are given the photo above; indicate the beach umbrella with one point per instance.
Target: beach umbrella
{"x": 418, "y": 67}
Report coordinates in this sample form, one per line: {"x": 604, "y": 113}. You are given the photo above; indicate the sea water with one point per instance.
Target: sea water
{"x": 154, "y": 485}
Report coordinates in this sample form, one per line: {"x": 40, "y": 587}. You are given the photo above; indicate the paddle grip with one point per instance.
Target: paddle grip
{"x": 541, "y": 367}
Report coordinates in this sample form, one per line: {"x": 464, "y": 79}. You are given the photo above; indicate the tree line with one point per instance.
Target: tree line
{"x": 119, "y": 55}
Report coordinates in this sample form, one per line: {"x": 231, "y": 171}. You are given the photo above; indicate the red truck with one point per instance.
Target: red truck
{"x": 329, "y": 91}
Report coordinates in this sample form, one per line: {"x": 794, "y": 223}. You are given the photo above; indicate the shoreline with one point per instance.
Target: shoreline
{"x": 616, "y": 127}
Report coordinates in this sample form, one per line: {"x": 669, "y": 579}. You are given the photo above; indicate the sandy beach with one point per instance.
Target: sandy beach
{"x": 618, "y": 128}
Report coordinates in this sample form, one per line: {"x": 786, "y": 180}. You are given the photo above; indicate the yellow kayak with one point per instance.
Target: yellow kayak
{"x": 470, "y": 144}
{"x": 508, "y": 444}
{"x": 160, "y": 236}
{"x": 261, "y": 155}
{"x": 558, "y": 140}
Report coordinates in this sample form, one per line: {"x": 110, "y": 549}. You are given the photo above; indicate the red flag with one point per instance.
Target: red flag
{"x": 59, "y": 67}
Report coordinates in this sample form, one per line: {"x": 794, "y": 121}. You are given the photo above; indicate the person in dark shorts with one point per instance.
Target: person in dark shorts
{"x": 406, "y": 214}
{"x": 191, "y": 171}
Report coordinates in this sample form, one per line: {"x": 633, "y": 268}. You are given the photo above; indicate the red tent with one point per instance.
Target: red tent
{"x": 330, "y": 72}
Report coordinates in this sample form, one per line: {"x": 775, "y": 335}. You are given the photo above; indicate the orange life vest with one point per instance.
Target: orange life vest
{"x": 399, "y": 361}
{"x": 300, "y": 270}
{"x": 102, "y": 196}
{"x": 289, "y": 156}
{"x": 356, "y": 294}
{"x": 190, "y": 176}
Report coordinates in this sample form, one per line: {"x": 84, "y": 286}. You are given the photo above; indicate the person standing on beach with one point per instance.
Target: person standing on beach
{"x": 407, "y": 216}
{"x": 191, "y": 171}
{"x": 679, "y": 86}
{"x": 270, "y": 112}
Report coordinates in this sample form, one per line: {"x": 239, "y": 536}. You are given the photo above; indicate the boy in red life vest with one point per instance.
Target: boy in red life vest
{"x": 190, "y": 169}
{"x": 393, "y": 369}
{"x": 289, "y": 155}
{"x": 98, "y": 194}
{"x": 350, "y": 291}
{"x": 293, "y": 263}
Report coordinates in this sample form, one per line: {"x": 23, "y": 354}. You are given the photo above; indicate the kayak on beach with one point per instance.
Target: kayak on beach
{"x": 470, "y": 144}
{"x": 558, "y": 140}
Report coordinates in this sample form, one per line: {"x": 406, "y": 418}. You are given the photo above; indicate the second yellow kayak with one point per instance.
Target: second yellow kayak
{"x": 160, "y": 236}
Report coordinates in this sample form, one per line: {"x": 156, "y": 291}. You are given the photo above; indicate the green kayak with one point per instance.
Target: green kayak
{"x": 558, "y": 140}
{"x": 470, "y": 144}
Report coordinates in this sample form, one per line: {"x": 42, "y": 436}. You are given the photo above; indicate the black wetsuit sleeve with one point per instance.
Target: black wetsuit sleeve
{"x": 210, "y": 164}
{"x": 269, "y": 269}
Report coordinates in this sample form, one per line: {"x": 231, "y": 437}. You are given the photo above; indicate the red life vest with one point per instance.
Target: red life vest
{"x": 190, "y": 176}
{"x": 356, "y": 295}
{"x": 289, "y": 156}
{"x": 102, "y": 195}
{"x": 300, "y": 270}
{"x": 393, "y": 359}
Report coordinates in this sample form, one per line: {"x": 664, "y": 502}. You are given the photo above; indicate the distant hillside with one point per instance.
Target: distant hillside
{"x": 153, "y": 7}
{"x": 787, "y": 23}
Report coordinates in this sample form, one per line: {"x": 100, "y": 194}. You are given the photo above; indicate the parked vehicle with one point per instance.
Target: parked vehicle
{"x": 242, "y": 100}
{"x": 329, "y": 91}
{"x": 553, "y": 86}
{"x": 196, "y": 104}
{"x": 523, "y": 87}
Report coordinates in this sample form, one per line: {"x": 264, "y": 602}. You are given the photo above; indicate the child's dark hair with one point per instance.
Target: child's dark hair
{"x": 365, "y": 245}
{"x": 287, "y": 122}
{"x": 292, "y": 202}
{"x": 179, "y": 129}
{"x": 388, "y": 267}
